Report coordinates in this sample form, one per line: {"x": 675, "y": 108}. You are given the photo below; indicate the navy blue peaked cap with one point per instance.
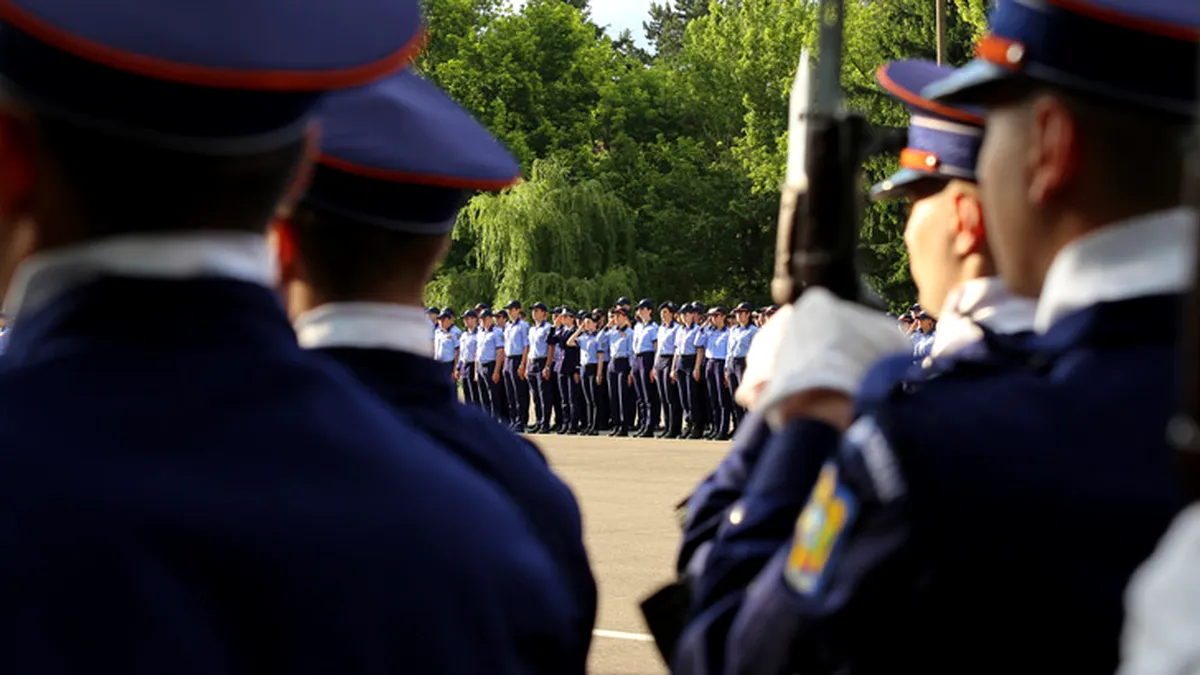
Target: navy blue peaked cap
{"x": 401, "y": 154}
{"x": 1140, "y": 52}
{"x": 943, "y": 140}
{"x": 214, "y": 77}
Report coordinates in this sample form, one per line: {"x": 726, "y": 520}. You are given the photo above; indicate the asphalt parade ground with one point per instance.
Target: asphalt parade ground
{"x": 628, "y": 488}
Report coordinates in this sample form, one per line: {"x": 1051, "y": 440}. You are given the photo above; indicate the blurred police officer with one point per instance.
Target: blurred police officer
{"x": 516, "y": 352}
{"x": 184, "y": 500}
{"x": 398, "y": 160}
{"x": 489, "y": 355}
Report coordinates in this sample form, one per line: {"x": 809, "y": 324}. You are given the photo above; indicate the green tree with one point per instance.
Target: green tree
{"x": 552, "y": 238}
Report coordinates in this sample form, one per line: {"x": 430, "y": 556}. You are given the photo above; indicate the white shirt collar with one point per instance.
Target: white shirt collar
{"x": 1149, "y": 255}
{"x": 983, "y": 302}
{"x": 373, "y": 325}
{"x": 233, "y": 255}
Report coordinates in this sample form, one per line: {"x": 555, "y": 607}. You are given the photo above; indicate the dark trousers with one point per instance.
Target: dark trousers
{"x": 691, "y": 393}
{"x": 539, "y": 388}
{"x": 720, "y": 402}
{"x": 591, "y": 399}
{"x": 737, "y": 372}
{"x": 570, "y": 397}
{"x": 647, "y": 393}
{"x": 489, "y": 391}
{"x": 668, "y": 394}
{"x": 620, "y": 394}
{"x": 555, "y": 400}
{"x": 517, "y": 392}
{"x": 604, "y": 414}
{"x": 466, "y": 377}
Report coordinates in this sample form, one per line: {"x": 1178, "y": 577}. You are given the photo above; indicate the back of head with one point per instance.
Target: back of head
{"x": 1079, "y": 135}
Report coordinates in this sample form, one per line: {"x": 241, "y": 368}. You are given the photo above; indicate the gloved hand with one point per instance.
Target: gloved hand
{"x": 760, "y": 360}
{"x": 827, "y": 344}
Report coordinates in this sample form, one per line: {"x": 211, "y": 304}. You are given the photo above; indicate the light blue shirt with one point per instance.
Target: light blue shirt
{"x": 740, "y": 338}
{"x": 516, "y": 338}
{"x": 466, "y": 346}
{"x": 666, "y": 339}
{"x": 487, "y": 342}
{"x": 620, "y": 343}
{"x": 716, "y": 344}
{"x": 923, "y": 347}
{"x": 589, "y": 348}
{"x": 603, "y": 341}
{"x": 444, "y": 344}
{"x": 538, "y": 340}
{"x": 687, "y": 339}
{"x": 644, "y": 337}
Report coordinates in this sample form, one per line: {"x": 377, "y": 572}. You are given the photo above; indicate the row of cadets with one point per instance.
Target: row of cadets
{"x": 1078, "y": 175}
{"x": 397, "y": 162}
{"x": 185, "y": 500}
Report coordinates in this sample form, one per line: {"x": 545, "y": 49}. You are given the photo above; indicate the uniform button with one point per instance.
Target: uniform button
{"x": 736, "y": 514}
{"x": 1015, "y": 53}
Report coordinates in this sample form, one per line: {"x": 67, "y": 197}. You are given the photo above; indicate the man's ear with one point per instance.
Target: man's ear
{"x": 18, "y": 162}
{"x": 969, "y": 231}
{"x": 1055, "y": 151}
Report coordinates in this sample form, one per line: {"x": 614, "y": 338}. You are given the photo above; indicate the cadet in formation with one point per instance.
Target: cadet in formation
{"x": 398, "y": 160}
{"x": 188, "y": 500}
{"x": 663, "y": 374}
{"x": 1079, "y": 174}
{"x": 949, "y": 259}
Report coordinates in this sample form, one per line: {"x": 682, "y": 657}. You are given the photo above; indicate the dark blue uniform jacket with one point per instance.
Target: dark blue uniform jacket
{"x": 184, "y": 490}
{"x": 415, "y": 387}
{"x": 985, "y": 519}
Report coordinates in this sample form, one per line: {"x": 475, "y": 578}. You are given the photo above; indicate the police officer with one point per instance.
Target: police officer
{"x": 689, "y": 355}
{"x": 620, "y": 380}
{"x": 537, "y": 367}
{"x": 1078, "y": 174}
{"x": 464, "y": 373}
{"x": 445, "y": 341}
{"x": 585, "y": 340}
{"x": 188, "y": 500}
{"x": 605, "y": 322}
{"x": 363, "y": 259}
{"x": 720, "y": 400}
{"x": 489, "y": 354}
{"x": 566, "y": 372}
{"x": 948, "y": 252}
{"x": 741, "y": 334}
{"x": 645, "y": 345}
{"x": 663, "y": 373}
{"x": 432, "y": 313}
{"x": 516, "y": 352}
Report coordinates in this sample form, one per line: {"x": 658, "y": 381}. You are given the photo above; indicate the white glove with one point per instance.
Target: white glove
{"x": 760, "y": 360}
{"x": 828, "y": 343}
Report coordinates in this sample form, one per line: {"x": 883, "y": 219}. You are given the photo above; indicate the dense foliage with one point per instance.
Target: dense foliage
{"x": 655, "y": 173}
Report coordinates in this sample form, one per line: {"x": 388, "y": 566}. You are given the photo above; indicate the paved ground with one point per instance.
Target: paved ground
{"x": 628, "y": 489}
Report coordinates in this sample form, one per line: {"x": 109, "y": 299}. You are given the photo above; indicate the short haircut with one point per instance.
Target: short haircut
{"x": 118, "y": 186}
{"x": 347, "y": 260}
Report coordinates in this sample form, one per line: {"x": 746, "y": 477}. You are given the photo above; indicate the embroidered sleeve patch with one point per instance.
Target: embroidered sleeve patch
{"x": 819, "y": 531}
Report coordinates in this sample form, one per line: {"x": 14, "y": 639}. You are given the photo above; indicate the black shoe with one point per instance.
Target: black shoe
{"x": 694, "y": 435}
{"x": 622, "y": 433}
{"x": 722, "y": 437}
{"x": 671, "y": 436}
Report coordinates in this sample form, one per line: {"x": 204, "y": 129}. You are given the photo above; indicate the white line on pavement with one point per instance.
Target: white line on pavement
{"x": 620, "y": 635}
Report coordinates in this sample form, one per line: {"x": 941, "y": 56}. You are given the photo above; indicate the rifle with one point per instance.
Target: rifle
{"x": 1184, "y": 429}
{"x": 820, "y": 204}
{"x": 820, "y": 211}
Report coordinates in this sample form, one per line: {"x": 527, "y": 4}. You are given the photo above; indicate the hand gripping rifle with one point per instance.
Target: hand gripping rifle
{"x": 1184, "y": 430}
{"x": 820, "y": 212}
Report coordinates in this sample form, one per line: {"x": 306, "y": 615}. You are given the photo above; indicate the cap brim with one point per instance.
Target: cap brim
{"x": 967, "y": 85}
{"x": 900, "y": 183}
